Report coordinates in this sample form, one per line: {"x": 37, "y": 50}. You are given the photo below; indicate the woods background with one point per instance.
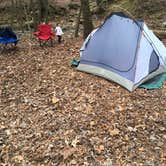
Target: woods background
{"x": 26, "y": 14}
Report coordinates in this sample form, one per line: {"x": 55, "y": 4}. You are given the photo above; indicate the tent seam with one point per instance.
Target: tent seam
{"x": 137, "y": 50}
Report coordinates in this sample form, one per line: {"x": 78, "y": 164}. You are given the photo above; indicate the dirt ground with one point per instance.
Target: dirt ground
{"x": 51, "y": 114}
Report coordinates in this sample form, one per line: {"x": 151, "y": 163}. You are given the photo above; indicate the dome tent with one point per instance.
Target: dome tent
{"x": 123, "y": 50}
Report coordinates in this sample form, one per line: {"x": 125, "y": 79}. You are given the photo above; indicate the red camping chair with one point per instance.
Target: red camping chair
{"x": 44, "y": 33}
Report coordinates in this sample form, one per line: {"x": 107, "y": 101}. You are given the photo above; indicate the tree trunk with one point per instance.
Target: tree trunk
{"x": 20, "y": 14}
{"x": 78, "y": 22}
{"x": 13, "y": 10}
{"x": 35, "y": 14}
{"x": 99, "y": 6}
{"x": 43, "y": 10}
{"x": 87, "y": 18}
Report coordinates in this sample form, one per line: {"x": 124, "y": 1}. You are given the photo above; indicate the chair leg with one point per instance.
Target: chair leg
{"x": 14, "y": 45}
{"x": 48, "y": 42}
{"x": 51, "y": 42}
{"x": 45, "y": 42}
{"x": 40, "y": 43}
{"x": 4, "y": 47}
{"x": 1, "y": 49}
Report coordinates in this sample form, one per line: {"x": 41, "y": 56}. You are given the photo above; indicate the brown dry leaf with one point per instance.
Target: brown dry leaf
{"x": 67, "y": 152}
{"x": 68, "y": 132}
{"x": 92, "y": 123}
{"x": 99, "y": 148}
{"x": 164, "y": 136}
{"x": 126, "y": 137}
{"x": 114, "y": 132}
{"x": 2, "y": 127}
{"x": 72, "y": 74}
{"x": 99, "y": 112}
{"x": 141, "y": 149}
{"x": 18, "y": 158}
{"x": 55, "y": 100}
{"x": 89, "y": 109}
{"x": 140, "y": 126}
{"x": 74, "y": 142}
{"x": 67, "y": 142}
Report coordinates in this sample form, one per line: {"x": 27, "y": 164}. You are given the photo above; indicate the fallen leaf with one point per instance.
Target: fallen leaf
{"x": 74, "y": 142}
{"x": 18, "y": 158}
{"x": 67, "y": 152}
{"x": 114, "y": 132}
{"x": 141, "y": 149}
{"x": 92, "y": 123}
{"x": 131, "y": 129}
{"x": 99, "y": 148}
{"x": 55, "y": 100}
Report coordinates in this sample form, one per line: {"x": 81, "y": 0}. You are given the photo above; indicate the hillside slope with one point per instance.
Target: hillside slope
{"x": 153, "y": 12}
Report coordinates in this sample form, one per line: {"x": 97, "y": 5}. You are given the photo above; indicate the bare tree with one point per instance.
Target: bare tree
{"x": 43, "y": 10}
{"x": 78, "y": 22}
{"x": 100, "y": 8}
{"x": 87, "y": 17}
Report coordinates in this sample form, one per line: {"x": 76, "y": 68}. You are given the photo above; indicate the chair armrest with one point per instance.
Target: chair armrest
{"x": 36, "y": 33}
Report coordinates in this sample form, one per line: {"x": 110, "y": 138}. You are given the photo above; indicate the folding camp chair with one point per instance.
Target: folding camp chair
{"x": 44, "y": 34}
{"x": 7, "y": 36}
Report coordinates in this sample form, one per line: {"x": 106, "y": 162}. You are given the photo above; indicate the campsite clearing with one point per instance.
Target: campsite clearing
{"x": 52, "y": 114}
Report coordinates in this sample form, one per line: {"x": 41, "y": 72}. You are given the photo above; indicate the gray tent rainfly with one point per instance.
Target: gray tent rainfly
{"x": 123, "y": 50}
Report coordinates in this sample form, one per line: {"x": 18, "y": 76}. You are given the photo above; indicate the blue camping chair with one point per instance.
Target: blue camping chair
{"x": 7, "y": 36}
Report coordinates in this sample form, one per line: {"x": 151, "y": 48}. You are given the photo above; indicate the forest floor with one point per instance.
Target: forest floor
{"x": 52, "y": 114}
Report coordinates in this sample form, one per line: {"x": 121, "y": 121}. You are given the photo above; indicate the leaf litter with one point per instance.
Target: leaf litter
{"x": 52, "y": 114}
